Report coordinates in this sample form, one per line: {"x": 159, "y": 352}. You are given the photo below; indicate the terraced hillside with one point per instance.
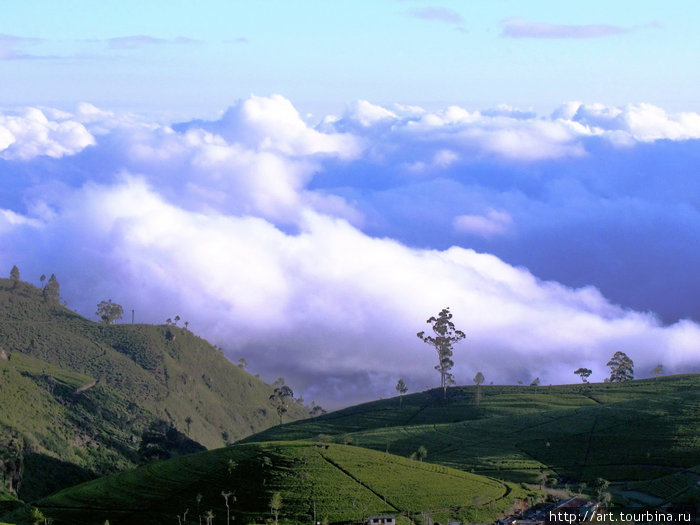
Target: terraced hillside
{"x": 76, "y": 397}
{"x": 338, "y": 483}
{"x": 623, "y": 432}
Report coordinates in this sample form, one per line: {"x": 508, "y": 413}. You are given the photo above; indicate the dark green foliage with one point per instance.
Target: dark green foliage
{"x": 11, "y": 463}
{"x": 446, "y": 335}
{"x": 108, "y": 312}
{"x": 161, "y": 440}
{"x": 621, "y": 368}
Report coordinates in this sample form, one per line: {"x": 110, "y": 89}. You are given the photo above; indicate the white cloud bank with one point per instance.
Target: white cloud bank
{"x": 216, "y": 222}
{"x": 31, "y": 134}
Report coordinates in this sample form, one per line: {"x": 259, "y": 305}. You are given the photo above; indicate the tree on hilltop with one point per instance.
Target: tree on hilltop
{"x": 584, "y": 373}
{"x": 51, "y": 291}
{"x": 621, "y": 368}
{"x": 446, "y": 335}
{"x": 14, "y": 273}
{"x": 108, "y": 312}
{"x": 401, "y": 388}
{"x": 658, "y": 370}
{"x": 478, "y": 379}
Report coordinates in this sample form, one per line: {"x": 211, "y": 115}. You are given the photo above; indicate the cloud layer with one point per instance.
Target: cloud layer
{"x": 318, "y": 251}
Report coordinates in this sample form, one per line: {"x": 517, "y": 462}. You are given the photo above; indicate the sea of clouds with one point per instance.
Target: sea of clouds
{"x": 316, "y": 249}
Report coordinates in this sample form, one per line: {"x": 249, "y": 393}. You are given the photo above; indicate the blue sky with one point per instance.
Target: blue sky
{"x": 323, "y": 54}
{"x": 306, "y": 182}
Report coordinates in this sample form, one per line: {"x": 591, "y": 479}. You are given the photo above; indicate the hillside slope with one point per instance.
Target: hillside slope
{"x": 633, "y": 432}
{"x": 334, "y": 482}
{"x": 77, "y": 396}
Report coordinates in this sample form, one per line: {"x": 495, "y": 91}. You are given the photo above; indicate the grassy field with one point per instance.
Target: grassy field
{"x": 78, "y": 395}
{"x": 341, "y": 482}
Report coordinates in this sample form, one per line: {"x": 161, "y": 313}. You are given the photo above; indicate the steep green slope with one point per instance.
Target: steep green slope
{"x": 630, "y": 431}
{"x": 77, "y": 396}
{"x": 340, "y": 482}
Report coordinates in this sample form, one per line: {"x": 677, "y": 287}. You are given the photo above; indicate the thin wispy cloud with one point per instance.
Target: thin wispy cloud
{"x": 11, "y": 48}
{"x": 440, "y": 14}
{"x": 520, "y": 28}
{"x": 141, "y": 41}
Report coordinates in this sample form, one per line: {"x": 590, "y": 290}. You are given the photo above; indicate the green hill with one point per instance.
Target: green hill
{"x": 631, "y": 433}
{"x": 342, "y": 483}
{"x": 77, "y": 397}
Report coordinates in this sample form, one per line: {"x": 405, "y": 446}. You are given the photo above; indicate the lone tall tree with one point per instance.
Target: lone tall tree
{"x": 108, "y": 312}
{"x": 584, "y": 373}
{"x": 280, "y": 399}
{"x": 445, "y": 336}
{"x": 401, "y": 388}
{"x": 276, "y": 505}
{"x": 621, "y": 368}
{"x": 478, "y": 379}
{"x": 14, "y": 273}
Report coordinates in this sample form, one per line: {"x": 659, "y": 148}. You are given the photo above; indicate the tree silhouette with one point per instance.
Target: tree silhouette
{"x": 446, "y": 335}
{"x": 621, "y": 368}
{"x": 658, "y": 370}
{"x": 52, "y": 292}
{"x": 535, "y": 382}
{"x": 478, "y": 379}
{"x": 108, "y": 312}
{"x": 584, "y": 373}
{"x": 401, "y": 388}
{"x": 14, "y": 273}
{"x": 280, "y": 399}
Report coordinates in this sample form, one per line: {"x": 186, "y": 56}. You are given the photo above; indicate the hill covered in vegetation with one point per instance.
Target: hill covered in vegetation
{"x": 643, "y": 436}
{"x": 82, "y": 399}
{"x": 313, "y": 481}
{"x": 467, "y": 457}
